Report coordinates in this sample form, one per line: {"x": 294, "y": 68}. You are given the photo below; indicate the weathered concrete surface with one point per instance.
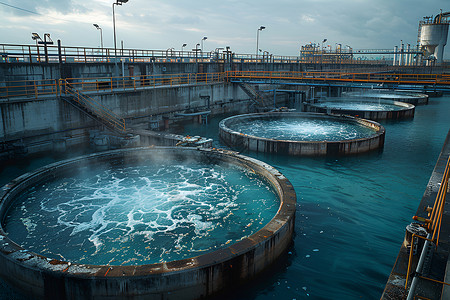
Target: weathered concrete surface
{"x": 300, "y": 148}
{"x": 40, "y": 123}
{"x": 405, "y": 111}
{"x": 191, "y": 278}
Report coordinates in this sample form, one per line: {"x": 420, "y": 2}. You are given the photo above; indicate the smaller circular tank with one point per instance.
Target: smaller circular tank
{"x": 365, "y": 108}
{"x": 301, "y": 134}
{"x": 383, "y": 94}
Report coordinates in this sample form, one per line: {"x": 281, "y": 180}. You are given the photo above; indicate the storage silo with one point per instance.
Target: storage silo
{"x": 433, "y": 36}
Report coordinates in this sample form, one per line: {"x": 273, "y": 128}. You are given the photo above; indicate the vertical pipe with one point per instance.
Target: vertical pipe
{"x": 394, "y": 63}
{"x": 45, "y": 48}
{"x": 412, "y": 288}
{"x": 402, "y": 55}
{"x": 408, "y": 56}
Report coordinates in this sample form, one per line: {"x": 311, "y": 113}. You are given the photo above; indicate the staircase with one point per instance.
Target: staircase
{"x": 258, "y": 99}
{"x": 92, "y": 108}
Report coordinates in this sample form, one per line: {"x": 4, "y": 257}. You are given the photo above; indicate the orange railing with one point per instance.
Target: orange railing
{"x": 433, "y": 223}
{"x": 432, "y": 79}
{"x": 94, "y": 107}
{"x": 142, "y": 81}
{"x": 28, "y": 88}
{"x": 36, "y": 88}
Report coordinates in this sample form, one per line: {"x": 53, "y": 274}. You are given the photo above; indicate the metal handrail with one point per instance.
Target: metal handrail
{"x": 345, "y": 77}
{"x": 36, "y": 88}
{"x": 35, "y": 54}
{"x": 433, "y": 223}
{"x": 94, "y": 106}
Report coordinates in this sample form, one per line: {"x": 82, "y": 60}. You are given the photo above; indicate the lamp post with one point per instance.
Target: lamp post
{"x": 204, "y": 38}
{"x": 101, "y": 36}
{"x": 118, "y": 2}
{"x": 196, "y": 52}
{"x": 261, "y": 28}
{"x": 37, "y": 38}
{"x": 321, "y": 54}
{"x": 182, "y": 47}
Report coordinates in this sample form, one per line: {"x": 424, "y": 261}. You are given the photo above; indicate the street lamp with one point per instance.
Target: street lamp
{"x": 47, "y": 41}
{"x": 196, "y": 51}
{"x": 324, "y": 40}
{"x": 118, "y": 2}
{"x": 37, "y": 38}
{"x": 321, "y": 54}
{"x": 182, "y": 47}
{"x": 101, "y": 35}
{"x": 257, "y": 39}
{"x": 204, "y": 38}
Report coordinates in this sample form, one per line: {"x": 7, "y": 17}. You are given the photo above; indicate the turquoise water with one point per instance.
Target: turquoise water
{"x": 141, "y": 214}
{"x": 351, "y": 211}
{"x": 302, "y": 129}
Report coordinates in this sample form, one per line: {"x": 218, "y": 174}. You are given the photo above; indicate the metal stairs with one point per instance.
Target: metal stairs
{"x": 258, "y": 99}
{"x": 93, "y": 108}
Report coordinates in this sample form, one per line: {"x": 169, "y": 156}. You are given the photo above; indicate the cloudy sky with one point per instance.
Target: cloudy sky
{"x": 147, "y": 24}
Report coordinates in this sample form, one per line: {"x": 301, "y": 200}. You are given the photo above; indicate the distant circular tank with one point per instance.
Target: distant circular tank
{"x": 433, "y": 38}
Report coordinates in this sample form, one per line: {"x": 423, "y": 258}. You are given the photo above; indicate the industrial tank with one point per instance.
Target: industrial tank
{"x": 433, "y": 37}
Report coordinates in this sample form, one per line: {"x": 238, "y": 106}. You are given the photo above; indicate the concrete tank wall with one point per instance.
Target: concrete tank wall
{"x": 406, "y": 110}
{"x": 191, "y": 278}
{"x": 241, "y": 141}
{"x": 47, "y": 119}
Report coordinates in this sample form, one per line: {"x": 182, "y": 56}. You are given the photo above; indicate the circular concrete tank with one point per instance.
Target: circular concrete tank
{"x": 406, "y": 97}
{"x": 191, "y": 278}
{"x": 374, "y": 138}
{"x": 365, "y": 108}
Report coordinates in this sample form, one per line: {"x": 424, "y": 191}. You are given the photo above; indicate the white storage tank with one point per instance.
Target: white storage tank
{"x": 433, "y": 37}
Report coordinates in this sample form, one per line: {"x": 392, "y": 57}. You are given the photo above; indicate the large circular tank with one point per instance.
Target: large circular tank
{"x": 309, "y": 134}
{"x": 406, "y": 97}
{"x": 365, "y": 108}
{"x": 234, "y": 261}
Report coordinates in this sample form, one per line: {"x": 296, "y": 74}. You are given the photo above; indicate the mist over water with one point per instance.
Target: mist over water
{"x": 303, "y": 129}
{"x": 134, "y": 215}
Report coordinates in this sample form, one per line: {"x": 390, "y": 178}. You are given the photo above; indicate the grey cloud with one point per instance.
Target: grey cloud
{"x": 63, "y": 6}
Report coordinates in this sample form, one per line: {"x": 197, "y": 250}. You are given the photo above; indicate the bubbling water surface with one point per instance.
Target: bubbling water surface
{"x": 364, "y": 106}
{"x": 134, "y": 215}
{"x": 303, "y": 129}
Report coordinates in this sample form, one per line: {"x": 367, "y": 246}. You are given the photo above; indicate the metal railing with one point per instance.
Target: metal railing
{"x": 432, "y": 224}
{"x": 127, "y": 83}
{"x": 36, "y": 88}
{"x": 93, "y": 107}
{"x": 16, "y": 53}
{"x": 29, "y": 88}
{"x": 431, "y": 79}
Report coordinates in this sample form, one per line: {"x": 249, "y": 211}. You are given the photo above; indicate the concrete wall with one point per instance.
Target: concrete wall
{"x": 40, "y": 71}
{"x": 34, "y": 125}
